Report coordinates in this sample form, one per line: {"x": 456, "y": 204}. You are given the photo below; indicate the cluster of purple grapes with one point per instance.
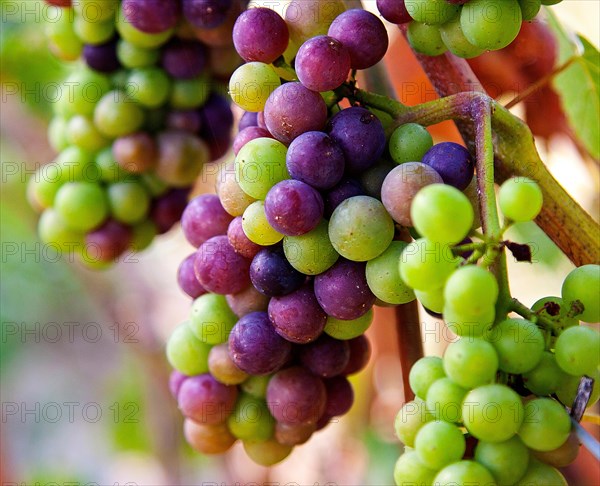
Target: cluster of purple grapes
{"x": 135, "y": 121}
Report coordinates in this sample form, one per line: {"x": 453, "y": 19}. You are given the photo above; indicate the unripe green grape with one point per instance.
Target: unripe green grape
{"x": 132, "y": 56}
{"x": 57, "y": 133}
{"x": 520, "y": 199}
{"x": 311, "y": 253}
{"x": 539, "y": 473}
{"x": 86, "y": 88}
{"x": 577, "y": 350}
{"x": 251, "y": 84}
{"x": 471, "y": 289}
{"x": 561, "y": 319}
{"x": 54, "y": 231}
{"x": 583, "y": 284}
{"x": 444, "y": 400}
{"x": 266, "y": 453}
{"x": 439, "y": 443}
{"x": 423, "y": 373}
{"x": 129, "y": 202}
{"x": 431, "y": 12}
{"x": 259, "y": 165}
{"x": 507, "y": 461}
{"x": 211, "y": 319}
{"x": 464, "y": 472}
{"x": 257, "y": 228}
{"x": 383, "y": 276}
{"x": 150, "y": 86}
{"x": 519, "y": 344}
{"x": 43, "y": 186}
{"x": 82, "y": 205}
{"x": 153, "y": 184}
{"x": 64, "y": 42}
{"x": 426, "y": 265}
{"x": 529, "y": 9}
{"x": 108, "y": 169}
{"x": 256, "y": 385}
{"x": 470, "y": 362}
{"x": 186, "y": 353}
{"x": 251, "y": 419}
{"x": 409, "y": 420}
{"x": 425, "y": 39}
{"x": 456, "y": 42}
{"x": 75, "y": 164}
{"x": 117, "y": 115}
{"x": 187, "y": 94}
{"x": 309, "y": 19}
{"x": 89, "y": 258}
{"x": 96, "y": 10}
{"x": 142, "y": 235}
{"x": 93, "y": 32}
{"x": 432, "y": 300}
{"x": 409, "y": 470}
{"x": 491, "y": 24}
{"x": 546, "y": 377}
{"x": 569, "y": 386}
{"x": 469, "y": 324}
{"x": 82, "y": 132}
{"x": 343, "y": 330}
{"x": 139, "y": 38}
{"x": 409, "y": 142}
{"x": 546, "y": 426}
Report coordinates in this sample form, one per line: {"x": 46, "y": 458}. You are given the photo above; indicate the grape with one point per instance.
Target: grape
{"x": 54, "y": 231}
{"x": 219, "y": 268}
{"x": 43, "y": 185}
{"x": 186, "y": 278}
{"x": 295, "y": 396}
{"x": 326, "y": 356}
{"x": 248, "y": 119}
{"x": 439, "y": 443}
{"x": 431, "y": 11}
{"x": 539, "y": 473}
{"x": 239, "y": 241}
{"x": 409, "y": 470}
{"x": 64, "y": 42}
{"x": 142, "y": 236}
{"x": 363, "y": 34}
{"x": 205, "y": 400}
{"x": 186, "y": 353}
{"x": 82, "y": 205}
{"x": 576, "y": 350}
{"x": 251, "y": 419}
{"x": 424, "y": 373}
{"x": 257, "y": 228}
{"x": 183, "y": 59}
{"x": 206, "y": 14}
{"x": 451, "y": 161}
{"x": 383, "y": 276}
{"x": 292, "y": 435}
{"x": 233, "y": 199}
{"x": 409, "y": 143}
{"x": 102, "y": 57}
{"x": 432, "y": 300}
{"x": 247, "y": 301}
{"x": 444, "y": 400}
{"x": 409, "y": 420}
{"x": 176, "y": 379}
{"x": 297, "y": 316}
{"x": 563, "y": 455}
{"x": 491, "y": 24}
{"x": 166, "y": 210}
{"x": 529, "y": 8}
{"x": 251, "y": 84}
{"x": 394, "y": 11}
{"x": 360, "y": 135}
{"x": 109, "y": 241}
{"x": 260, "y": 34}
{"x": 211, "y": 319}
{"x": 312, "y": 252}
{"x": 306, "y": 19}
{"x": 129, "y": 202}
{"x": 519, "y": 344}
{"x": 293, "y": 109}
{"x": 360, "y": 229}
{"x": 442, "y": 213}
{"x": 255, "y": 347}
{"x": 464, "y": 472}
{"x": 256, "y": 385}
{"x": 57, "y": 133}
{"x": 520, "y": 199}
{"x": 136, "y": 152}
{"x": 203, "y": 218}
{"x": 346, "y": 188}
{"x": 471, "y": 289}
{"x": 272, "y": 274}
{"x": 507, "y": 461}
{"x": 87, "y": 90}
{"x": 117, "y": 115}
{"x": 322, "y": 63}
{"x": 82, "y": 132}
{"x": 546, "y": 377}
{"x": 348, "y": 329}
{"x": 360, "y": 352}
{"x": 153, "y": 17}
{"x": 583, "y": 284}
{"x": 132, "y": 56}
{"x": 187, "y": 94}
{"x": 425, "y": 265}
{"x": 248, "y": 134}
{"x": 208, "y": 439}
{"x": 546, "y": 426}
{"x": 454, "y": 39}
{"x": 181, "y": 157}
{"x": 186, "y": 120}
{"x": 343, "y": 292}
{"x": 556, "y": 310}
{"x": 471, "y": 324}
{"x": 266, "y": 453}
{"x": 470, "y": 362}
{"x": 314, "y": 158}
{"x": 340, "y": 396}
{"x": 217, "y": 122}
{"x": 372, "y": 179}
{"x": 426, "y": 39}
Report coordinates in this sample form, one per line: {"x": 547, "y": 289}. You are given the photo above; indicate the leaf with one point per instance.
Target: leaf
{"x": 578, "y": 86}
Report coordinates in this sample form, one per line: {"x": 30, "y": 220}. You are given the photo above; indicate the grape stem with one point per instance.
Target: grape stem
{"x": 519, "y": 308}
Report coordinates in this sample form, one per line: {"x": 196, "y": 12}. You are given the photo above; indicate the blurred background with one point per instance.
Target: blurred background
{"x": 84, "y": 379}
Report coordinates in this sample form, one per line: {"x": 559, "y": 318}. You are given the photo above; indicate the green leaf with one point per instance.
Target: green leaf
{"x": 578, "y": 86}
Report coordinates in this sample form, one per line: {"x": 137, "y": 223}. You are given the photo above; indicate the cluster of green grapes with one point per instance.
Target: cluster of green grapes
{"x": 494, "y": 409}
{"x": 142, "y": 110}
{"x": 466, "y": 28}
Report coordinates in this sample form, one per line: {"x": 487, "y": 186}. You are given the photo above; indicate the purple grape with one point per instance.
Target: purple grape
{"x": 203, "y": 218}
{"x": 103, "y": 57}
{"x": 343, "y": 292}
{"x": 340, "y": 396}
{"x": 184, "y": 59}
{"x": 272, "y": 274}
{"x": 239, "y": 241}
{"x": 296, "y": 397}
{"x": 187, "y": 120}
{"x": 360, "y": 135}
{"x": 219, "y": 268}
{"x": 176, "y": 379}
{"x": 326, "y": 356}
{"x": 322, "y": 63}
{"x": 363, "y": 35}
{"x": 260, "y": 34}
{"x": 151, "y": 16}
{"x": 247, "y": 301}
{"x": 345, "y": 189}
{"x": 248, "y": 119}
{"x": 360, "y": 352}
{"x": 453, "y": 162}
{"x": 186, "y": 277}
{"x": 108, "y": 241}
{"x": 217, "y": 119}
{"x": 293, "y": 435}
{"x": 394, "y": 11}
{"x": 206, "y": 14}
{"x": 316, "y": 159}
{"x": 255, "y": 347}
{"x": 293, "y": 208}
{"x": 205, "y": 400}
{"x": 298, "y": 317}
{"x": 293, "y": 109}
{"x": 247, "y": 134}
{"x": 167, "y": 209}
{"x": 260, "y": 120}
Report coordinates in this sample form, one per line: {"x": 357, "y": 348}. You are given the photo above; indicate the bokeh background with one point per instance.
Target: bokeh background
{"x": 83, "y": 376}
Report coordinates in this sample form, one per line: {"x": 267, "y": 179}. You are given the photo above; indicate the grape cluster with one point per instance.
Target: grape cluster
{"x": 466, "y": 28}
{"x": 137, "y": 119}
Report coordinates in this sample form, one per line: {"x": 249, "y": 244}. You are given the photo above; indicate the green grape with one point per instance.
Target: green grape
{"x": 57, "y": 133}
{"x": 425, "y": 39}
{"x": 507, "y": 461}
{"x": 563, "y": 455}
{"x": 470, "y": 362}
{"x": 444, "y": 400}
{"x": 251, "y": 419}
{"x": 540, "y": 474}
{"x": 268, "y": 452}
{"x": 211, "y": 319}
{"x": 108, "y": 168}
{"x": 187, "y": 94}
{"x": 519, "y": 344}
{"x": 43, "y": 186}
{"x": 493, "y": 413}
{"x": 90, "y": 258}
{"x": 116, "y": 115}
{"x": 410, "y": 471}
{"x": 76, "y": 164}
{"x": 432, "y": 300}
{"x": 561, "y": 318}
{"x": 425, "y": 265}
{"x": 569, "y": 385}
{"x": 64, "y": 42}
{"x": 546, "y": 426}
{"x": 520, "y": 199}
{"x": 85, "y": 89}
{"x": 360, "y": 229}
{"x": 54, "y": 231}
{"x": 431, "y": 11}
{"x": 491, "y": 24}
{"x": 311, "y": 253}
{"x": 129, "y": 202}
{"x": 456, "y": 42}
{"x": 186, "y": 353}
{"x": 344, "y": 330}
{"x": 464, "y": 472}
{"x": 154, "y": 184}
{"x": 96, "y": 10}
{"x": 529, "y": 9}
{"x": 439, "y": 443}
{"x": 149, "y": 86}
{"x": 137, "y": 37}
{"x": 577, "y": 350}
{"x": 546, "y": 377}
{"x": 309, "y": 19}
{"x": 409, "y": 420}
{"x": 257, "y": 228}
{"x": 132, "y": 56}
{"x": 423, "y": 373}
{"x": 93, "y": 32}
{"x": 383, "y": 276}
{"x": 82, "y": 205}
{"x": 471, "y": 289}
{"x": 442, "y": 213}
{"x": 83, "y": 133}
{"x": 583, "y": 284}
{"x": 409, "y": 142}
{"x": 256, "y": 385}
{"x": 469, "y": 324}
{"x": 142, "y": 235}
{"x": 259, "y": 165}
{"x": 251, "y": 84}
